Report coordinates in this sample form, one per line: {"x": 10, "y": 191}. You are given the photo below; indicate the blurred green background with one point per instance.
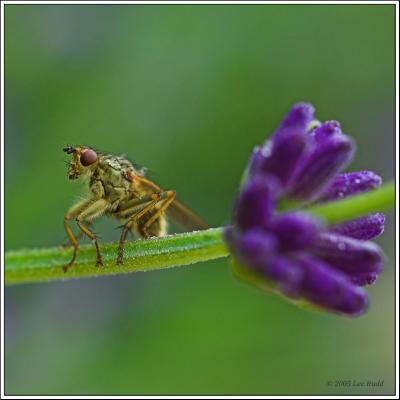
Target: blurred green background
{"x": 187, "y": 91}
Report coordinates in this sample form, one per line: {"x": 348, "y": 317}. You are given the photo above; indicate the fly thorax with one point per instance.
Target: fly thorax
{"x": 110, "y": 172}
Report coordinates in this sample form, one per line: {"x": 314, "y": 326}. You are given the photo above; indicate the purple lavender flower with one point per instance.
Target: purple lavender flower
{"x": 364, "y": 228}
{"x": 296, "y": 253}
{"x": 327, "y": 152}
{"x": 279, "y": 156}
{"x": 344, "y": 185}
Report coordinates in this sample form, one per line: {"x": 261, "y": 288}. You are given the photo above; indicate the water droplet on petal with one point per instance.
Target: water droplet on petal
{"x": 333, "y": 239}
{"x": 267, "y": 149}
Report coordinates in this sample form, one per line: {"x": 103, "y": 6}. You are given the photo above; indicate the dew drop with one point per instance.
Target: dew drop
{"x": 267, "y": 149}
{"x": 341, "y": 194}
{"x": 357, "y": 181}
{"x": 341, "y": 246}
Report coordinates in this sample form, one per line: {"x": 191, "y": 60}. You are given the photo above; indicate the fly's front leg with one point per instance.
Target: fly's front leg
{"x": 72, "y": 213}
{"x": 77, "y": 237}
{"x": 93, "y": 211}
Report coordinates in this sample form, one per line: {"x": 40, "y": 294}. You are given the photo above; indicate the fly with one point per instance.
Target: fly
{"x": 120, "y": 189}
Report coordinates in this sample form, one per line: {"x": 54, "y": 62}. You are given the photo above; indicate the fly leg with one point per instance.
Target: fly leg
{"x": 135, "y": 209}
{"x": 170, "y": 196}
{"x": 136, "y": 204}
{"x": 138, "y": 210}
{"x": 67, "y": 244}
{"x": 72, "y": 213}
{"x": 93, "y": 211}
{"x": 85, "y": 210}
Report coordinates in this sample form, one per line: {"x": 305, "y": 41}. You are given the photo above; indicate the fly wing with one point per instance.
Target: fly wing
{"x": 185, "y": 217}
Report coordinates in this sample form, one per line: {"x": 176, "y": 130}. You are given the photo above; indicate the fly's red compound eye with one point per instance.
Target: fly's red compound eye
{"x": 88, "y": 157}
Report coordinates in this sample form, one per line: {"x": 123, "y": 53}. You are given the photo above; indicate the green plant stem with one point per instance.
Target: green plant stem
{"x": 36, "y": 265}
{"x": 377, "y": 200}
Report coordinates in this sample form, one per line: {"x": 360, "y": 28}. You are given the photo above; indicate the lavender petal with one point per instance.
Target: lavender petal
{"x": 344, "y": 185}
{"x": 353, "y": 257}
{"x": 254, "y": 247}
{"x": 256, "y": 202}
{"x": 368, "y": 278}
{"x": 328, "y": 151}
{"x": 285, "y": 153}
{"x": 330, "y": 289}
{"x": 297, "y": 119}
{"x": 295, "y": 231}
{"x": 325, "y": 130}
{"x": 256, "y": 161}
{"x": 364, "y": 228}
{"x": 257, "y": 249}
{"x": 286, "y": 273}
{"x": 280, "y": 155}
